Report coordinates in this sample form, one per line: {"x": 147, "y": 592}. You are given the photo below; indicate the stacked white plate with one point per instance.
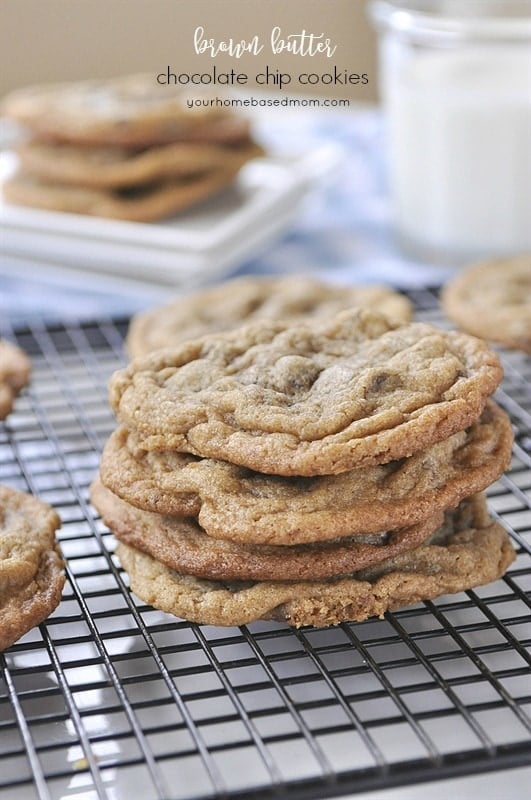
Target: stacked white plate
{"x": 203, "y": 243}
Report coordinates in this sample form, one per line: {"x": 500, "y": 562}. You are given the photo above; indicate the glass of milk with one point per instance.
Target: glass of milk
{"x": 455, "y": 82}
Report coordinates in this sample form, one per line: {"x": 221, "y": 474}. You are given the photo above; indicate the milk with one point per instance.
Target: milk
{"x": 459, "y": 138}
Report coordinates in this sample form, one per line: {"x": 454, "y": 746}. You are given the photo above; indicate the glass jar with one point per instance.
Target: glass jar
{"x": 455, "y": 81}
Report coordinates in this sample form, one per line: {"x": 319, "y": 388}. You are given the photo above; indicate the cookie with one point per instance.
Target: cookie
{"x": 493, "y": 300}
{"x": 469, "y": 550}
{"x": 180, "y": 543}
{"x": 154, "y": 481}
{"x": 15, "y": 369}
{"x": 133, "y": 111}
{"x": 108, "y": 167}
{"x": 244, "y": 300}
{"x": 308, "y": 399}
{"x": 31, "y": 566}
{"x": 138, "y": 204}
{"x": 237, "y": 504}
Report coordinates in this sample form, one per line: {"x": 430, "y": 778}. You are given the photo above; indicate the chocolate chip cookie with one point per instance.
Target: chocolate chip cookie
{"x": 240, "y": 301}
{"x": 133, "y": 111}
{"x": 15, "y": 369}
{"x": 107, "y": 167}
{"x": 31, "y": 566}
{"x": 240, "y": 505}
{"x": 470, "y": 549}
{"x": 493, "y": 300}
{"x": 180, "y": 543}
{"x": 306, "y": 399}
{"x": 144, "y": 203}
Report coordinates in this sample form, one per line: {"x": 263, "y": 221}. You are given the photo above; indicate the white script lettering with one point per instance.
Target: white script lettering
{"x": 301, "y": 44}
{"x": 234, "y": 49}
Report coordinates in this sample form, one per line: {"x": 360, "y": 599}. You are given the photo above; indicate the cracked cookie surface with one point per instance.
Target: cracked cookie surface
{"x": 308, "y": 399}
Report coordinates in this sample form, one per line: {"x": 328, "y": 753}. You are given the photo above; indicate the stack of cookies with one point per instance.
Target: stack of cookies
{"x": 125, "y": 148}
{"x": 310, "y": 472}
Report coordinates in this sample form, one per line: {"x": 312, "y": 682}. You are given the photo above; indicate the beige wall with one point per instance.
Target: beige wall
{"x": 56, "y": 40}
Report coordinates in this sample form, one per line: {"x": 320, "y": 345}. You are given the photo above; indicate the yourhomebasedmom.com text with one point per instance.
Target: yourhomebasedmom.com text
{"x": 268, "y": 102}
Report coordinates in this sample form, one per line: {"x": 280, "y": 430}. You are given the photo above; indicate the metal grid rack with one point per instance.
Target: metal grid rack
{"x": 112, "y": 699}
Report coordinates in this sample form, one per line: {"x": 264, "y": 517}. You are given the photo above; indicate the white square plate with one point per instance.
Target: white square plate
{"x": 201, "y": 243}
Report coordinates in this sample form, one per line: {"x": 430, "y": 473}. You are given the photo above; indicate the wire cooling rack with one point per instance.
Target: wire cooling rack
{"x": 112, "y": 699}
